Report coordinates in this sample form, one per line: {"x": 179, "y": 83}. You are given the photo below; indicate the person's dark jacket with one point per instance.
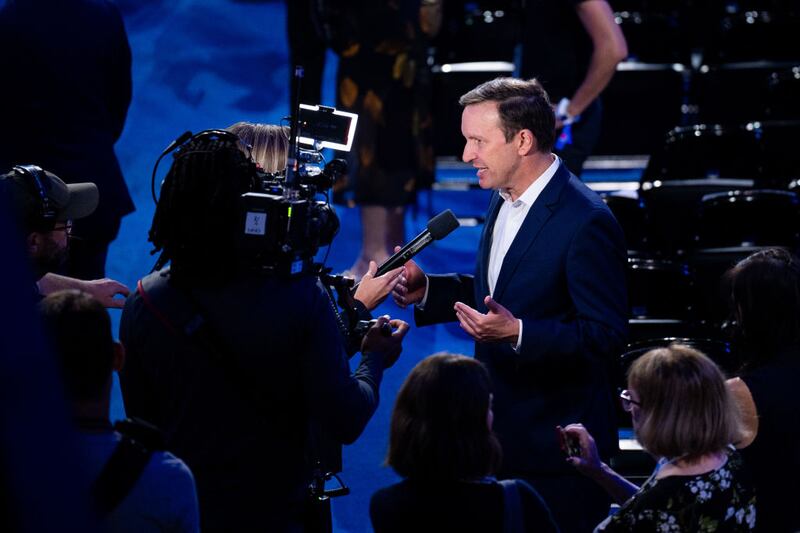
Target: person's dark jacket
{"x": 240, "y": 415}
{"x": 65, "y": 94}
{"x": 424, "y": 505}
{"x": 773, "y": 458}
{"x": 564, "y": 276}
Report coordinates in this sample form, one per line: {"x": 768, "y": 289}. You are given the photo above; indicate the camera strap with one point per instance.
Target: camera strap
{"x": 127, "y": 462}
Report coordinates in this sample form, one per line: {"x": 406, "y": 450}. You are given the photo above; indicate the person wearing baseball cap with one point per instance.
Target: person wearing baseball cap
{"x": 45, "y": 207}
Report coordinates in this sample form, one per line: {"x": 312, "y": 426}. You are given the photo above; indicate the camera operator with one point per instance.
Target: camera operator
{"x": 240, "y": 369}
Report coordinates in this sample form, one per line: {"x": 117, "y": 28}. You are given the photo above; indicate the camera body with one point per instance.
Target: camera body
{"x": 283, "y": 227}
{"x": 283, "y": 221}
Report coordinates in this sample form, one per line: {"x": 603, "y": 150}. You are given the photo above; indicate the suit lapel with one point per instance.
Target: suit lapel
{"x": 537, "y": 217}
{"x": 486, "y": 246}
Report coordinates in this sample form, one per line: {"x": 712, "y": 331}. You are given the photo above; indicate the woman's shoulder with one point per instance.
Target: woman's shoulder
{"x": 389, "y": 503}
{"x": 726, "y": 477}
{"x": 720, "y": 498}
{"x": 431, "y": 504}
{"x": 472, "y": 506}
{"x": 528, "y": 493}
{"x": 409, "y": 492}
{"x": 537, "y": 513}
{"x": 387, "y": 496}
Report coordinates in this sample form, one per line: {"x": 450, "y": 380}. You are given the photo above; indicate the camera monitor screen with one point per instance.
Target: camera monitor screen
{"x": 328, "y": 127}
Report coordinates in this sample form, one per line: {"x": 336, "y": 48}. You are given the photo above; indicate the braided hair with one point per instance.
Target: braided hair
{"x": 196, "y": 223}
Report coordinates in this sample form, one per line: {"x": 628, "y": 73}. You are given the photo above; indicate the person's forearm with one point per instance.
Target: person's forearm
{"x": 619, "y": 488}
{"x": 50, "y": 283}
{"x": 104, "y": 290}
{"x": 609, "y": 48}
{"x": 601, "y": 70}
{"x": 444, "y": 290}
{"x": 353, "y": 404}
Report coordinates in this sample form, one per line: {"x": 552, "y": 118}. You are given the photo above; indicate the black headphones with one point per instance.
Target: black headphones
{"x": 46, "y": 211}
{"x": 186, "y": 144}
{"x": 213, "y": 138}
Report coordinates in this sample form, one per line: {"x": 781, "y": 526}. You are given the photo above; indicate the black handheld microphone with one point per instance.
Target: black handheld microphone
{"x": 438, "y": 227}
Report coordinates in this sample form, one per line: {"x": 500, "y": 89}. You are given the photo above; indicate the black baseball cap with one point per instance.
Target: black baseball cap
{"x": 63, "y": 201}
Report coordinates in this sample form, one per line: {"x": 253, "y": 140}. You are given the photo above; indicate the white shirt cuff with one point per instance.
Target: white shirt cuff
{"x": 421, "y": 304}
{"x": 518, "y": 347}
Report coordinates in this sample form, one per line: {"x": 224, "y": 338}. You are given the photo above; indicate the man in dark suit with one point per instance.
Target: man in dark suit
{"x": 66, "y": 88}
{"x": 547, "y": 306}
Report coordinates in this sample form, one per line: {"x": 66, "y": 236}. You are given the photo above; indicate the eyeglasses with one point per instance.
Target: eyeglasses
{"x": 627, "y": 401}
{"x": 65, "y": 227}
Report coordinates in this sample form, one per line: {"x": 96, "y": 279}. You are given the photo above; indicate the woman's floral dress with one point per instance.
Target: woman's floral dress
{"x": 719, "y": 501}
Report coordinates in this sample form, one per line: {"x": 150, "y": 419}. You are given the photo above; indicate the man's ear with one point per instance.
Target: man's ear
{"x": 34, "y": 243}
{"x": 119, "y": 356}
{"x": 526, "y": 142}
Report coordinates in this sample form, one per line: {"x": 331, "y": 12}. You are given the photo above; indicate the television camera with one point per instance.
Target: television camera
{"x": 284, "y": 220}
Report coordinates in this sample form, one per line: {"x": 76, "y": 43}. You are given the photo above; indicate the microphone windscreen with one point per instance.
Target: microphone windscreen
{"x": 442, "y": 224}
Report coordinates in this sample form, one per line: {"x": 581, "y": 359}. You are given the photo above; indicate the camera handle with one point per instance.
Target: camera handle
{"x": 317, "y": 488}
{"x": 350, "y": 323}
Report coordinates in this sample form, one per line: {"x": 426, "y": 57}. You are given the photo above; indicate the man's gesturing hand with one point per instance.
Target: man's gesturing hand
{"x": 498, "y": 325}
{"x": 411, "y": 287}
{"x": 389, "y": 345}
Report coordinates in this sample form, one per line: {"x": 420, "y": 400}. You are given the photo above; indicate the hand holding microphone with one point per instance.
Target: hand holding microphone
{"x": 373, "y": 289}
{"x": 411, "y": 286}
{"x": 398, "y": 272}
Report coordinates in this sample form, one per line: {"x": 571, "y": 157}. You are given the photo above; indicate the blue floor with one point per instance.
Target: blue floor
{"x": 208, "y": 64}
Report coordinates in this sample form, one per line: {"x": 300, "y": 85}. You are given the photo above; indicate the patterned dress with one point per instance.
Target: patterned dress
{"x": 384, "y": 78}
{"x": 722, "y": 500}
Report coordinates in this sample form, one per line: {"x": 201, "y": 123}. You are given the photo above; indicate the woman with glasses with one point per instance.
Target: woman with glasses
{"x": 683, "y": 415}
{"x": 765, "y": 307}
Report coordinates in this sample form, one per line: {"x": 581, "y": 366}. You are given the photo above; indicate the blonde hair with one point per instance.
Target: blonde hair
{"x": 266, "y": 144}
{"x": 686, "y": 409}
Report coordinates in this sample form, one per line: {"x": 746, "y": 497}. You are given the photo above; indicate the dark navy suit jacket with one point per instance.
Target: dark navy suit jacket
{"x": 564, "y": 277}
{"x": 66, "y": 88}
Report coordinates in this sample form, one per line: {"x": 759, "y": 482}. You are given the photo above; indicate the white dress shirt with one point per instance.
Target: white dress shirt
{"x": 509, "y": 220}
{"x": 508, "y": 223}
